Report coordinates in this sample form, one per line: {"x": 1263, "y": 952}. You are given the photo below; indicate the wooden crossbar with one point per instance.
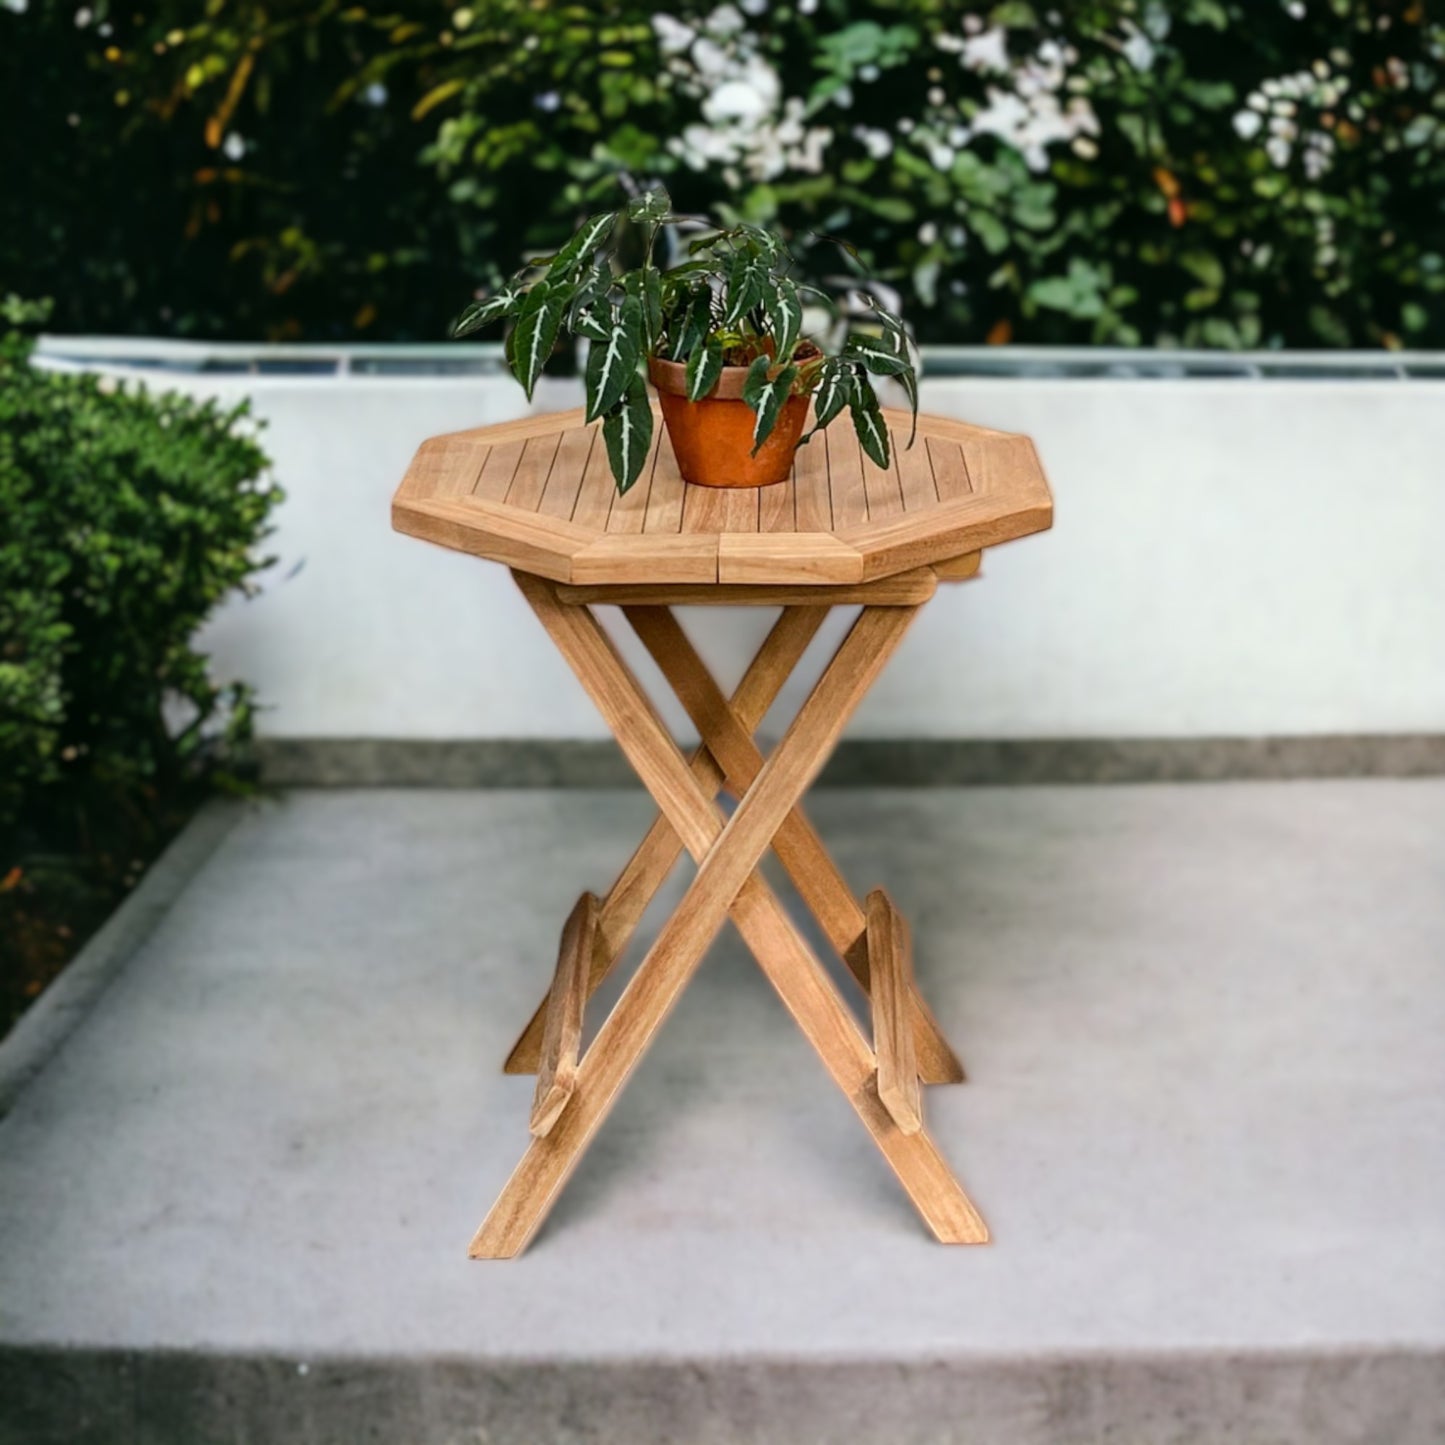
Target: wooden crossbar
{"x": 889, "y": 954}
{"x": 562, "y": 1034}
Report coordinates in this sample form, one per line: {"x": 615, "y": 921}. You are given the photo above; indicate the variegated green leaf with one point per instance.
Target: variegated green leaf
{"x": 766, "y": 395}
{"x": 590, "y": 313}
{"x": 612, "y": 362}
{"x": 589, "y": 237}
{"x": 909, "y": 382}
{"x": 835, "y": 386}
{"x": 868, "y": 420}
{"x": 646, "y": 286}
{"x": 651, "y": 205}
{"x": 746, "y": 280}
{"x": 704, "y": 367}
{"x": 694, "y": 323}
{"x": 891, "y": 322}
{"x": 764, "y": 242}
{"x": 627, "y": 431}
{"x": 876, "y": 355}
{"x": 483, "y": 313}
{"x": 784, "y": 311}
{"x": 536, "y": 334}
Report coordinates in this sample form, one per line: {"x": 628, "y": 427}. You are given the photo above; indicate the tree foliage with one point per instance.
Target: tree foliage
{"x": 1211, "y": 172}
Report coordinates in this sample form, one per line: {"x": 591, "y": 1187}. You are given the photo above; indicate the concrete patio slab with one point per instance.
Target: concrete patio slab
{"x": 1205, "y": 1119}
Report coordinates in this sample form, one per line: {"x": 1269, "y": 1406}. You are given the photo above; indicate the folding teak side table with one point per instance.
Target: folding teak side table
{"x": 537, "y": 496}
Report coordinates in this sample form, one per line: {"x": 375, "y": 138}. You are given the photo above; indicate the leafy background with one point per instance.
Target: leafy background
{"x": 1211, "y": 172}
{"x": 128, "y": 515}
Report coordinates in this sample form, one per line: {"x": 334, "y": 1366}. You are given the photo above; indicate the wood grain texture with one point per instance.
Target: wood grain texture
{"x": 950, "y": 470}
{"x": 616, "y": 558}
{"x": 846, "y": 486}
{"x": 787, "y": 557}
{"x": 647, "y": 869}
{"x": 529, "y": 481}
{"x": 891, "y": 964}
{"x": 725, "y": 882}
{"x": 882, "y": 486}
{"x": 495, "y": 478}
{"x": 629, "y": 509}
{"x": 958, "y": 569}
{"x": 562, "y": 1028}
{"x": 837, "y": 519}
{"x": 902, "y": 589}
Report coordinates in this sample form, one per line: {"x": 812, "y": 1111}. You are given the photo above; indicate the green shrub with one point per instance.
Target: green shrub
{"x": 128, "y": 516}
{"x": 1208, "y": 172}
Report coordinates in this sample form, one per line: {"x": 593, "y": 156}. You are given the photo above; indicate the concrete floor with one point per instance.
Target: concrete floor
{"x": 1205, "y": 1029}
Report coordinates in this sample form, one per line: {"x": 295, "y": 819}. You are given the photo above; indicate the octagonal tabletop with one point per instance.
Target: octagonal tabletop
{"x": 537, "y": 495}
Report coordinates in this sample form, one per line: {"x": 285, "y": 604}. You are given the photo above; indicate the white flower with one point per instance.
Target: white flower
{"x": 725, "y": 21}
{"x": 1246, "y": 124}
{"x": 736, "y": 100}
{"x": 987, "y": 53}
{"x": 234, "y": 147}
{"x": 878, "y": 143}
{"x": 1277, "y": 149}
{"x": 672, "y": 35}
{"x": 1139, "y": 50}
{"x": 710, "y": 58}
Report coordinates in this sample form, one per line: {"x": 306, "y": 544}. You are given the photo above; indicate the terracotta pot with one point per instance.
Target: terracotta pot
{"x": 713, "y": 438}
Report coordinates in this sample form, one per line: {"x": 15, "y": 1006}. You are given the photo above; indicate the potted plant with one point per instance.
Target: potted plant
{"x": 721, "y": 336}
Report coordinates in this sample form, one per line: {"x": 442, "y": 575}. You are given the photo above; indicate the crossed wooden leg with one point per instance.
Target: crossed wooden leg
{"x": 728, "y": 852}
{"x": 729, "y": 757}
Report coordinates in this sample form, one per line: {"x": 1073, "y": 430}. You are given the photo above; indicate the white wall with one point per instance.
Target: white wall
{"x": 1228, "y": 557}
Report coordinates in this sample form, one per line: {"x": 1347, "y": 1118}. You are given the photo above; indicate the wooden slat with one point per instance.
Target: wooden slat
{"x": 540, "y": 545}
{"x": 646, "y": 558}
{"x": 787, "y": 557}
{"x": 449, "y": 470}
{"x": 664, "y": 503}
{"x": 775, "y": 507}
{"x": 530, "y": 479}
{"x": 629, "y": 508}
{"x": 950, "y": 470}
{"x": 881, "y": 484}
{"x": 574, "y": 454}
{"x": 813, "y": 506}
{"x": 903, "y": 589}
{"x": 890, "y": 987}
{"x": 498, "y": 470}
{"x": 845, "y": 476}
{"x": 562, "y": 1032}
{"x": 720, "y": 509}
{"x": 915, "y": 471}
{"x": 599, "y": 487}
